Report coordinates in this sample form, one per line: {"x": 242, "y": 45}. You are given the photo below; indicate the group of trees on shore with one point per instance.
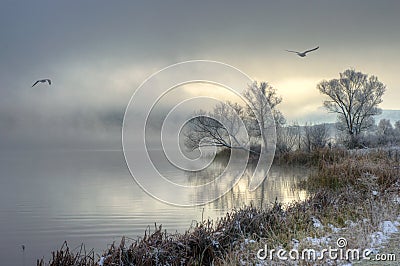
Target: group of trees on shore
{"x": 384, "y": 133}
{"x": 354, "y": 97}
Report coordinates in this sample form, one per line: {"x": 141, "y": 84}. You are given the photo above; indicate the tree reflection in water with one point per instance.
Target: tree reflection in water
{"x": 280, "y": 184}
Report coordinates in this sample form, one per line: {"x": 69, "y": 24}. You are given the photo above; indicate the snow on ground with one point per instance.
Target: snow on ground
{"x": 317, "y": 223}
{"x": 377, "y": 238}
{"x": 101, "y": 261}
{"x": 320, "y": 242}
{"x": 397, "y": 200}
{"x": 249, "y": 241}
{"x": 334, "y": 229}
{"x": 389, "y": 227}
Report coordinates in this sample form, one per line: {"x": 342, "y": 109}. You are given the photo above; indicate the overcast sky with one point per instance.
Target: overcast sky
{"x": 98, "y": 52}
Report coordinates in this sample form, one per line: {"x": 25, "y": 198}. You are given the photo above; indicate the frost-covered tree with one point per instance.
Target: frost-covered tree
{"x": 315, "y": 136}
{"x": 220, "y": 128}
{"x": 385, "y": 127}
{"x": 287, "y": 138}
{"x": 355, "y": 97}
{"x": 386, "y": 132}
{"x": 262, "y": 114}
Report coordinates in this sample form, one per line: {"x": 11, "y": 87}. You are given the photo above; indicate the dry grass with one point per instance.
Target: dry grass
{"x": 64, "y": 256}
{"x": 363, "y": 172}
{"x": 314, "y": 158}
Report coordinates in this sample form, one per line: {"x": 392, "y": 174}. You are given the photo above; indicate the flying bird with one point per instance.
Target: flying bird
{"x": 303, "y": 54}
{"x": 42, "y": 81}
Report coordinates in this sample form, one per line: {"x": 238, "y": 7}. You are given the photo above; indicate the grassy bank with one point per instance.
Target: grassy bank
{"x": 350, "y": 196}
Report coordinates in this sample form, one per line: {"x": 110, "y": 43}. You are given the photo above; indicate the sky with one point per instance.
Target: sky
{"x": 98, "y": 52}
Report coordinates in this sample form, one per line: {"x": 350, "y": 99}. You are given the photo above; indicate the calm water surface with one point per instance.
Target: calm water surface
{"x": 90, "y": 197}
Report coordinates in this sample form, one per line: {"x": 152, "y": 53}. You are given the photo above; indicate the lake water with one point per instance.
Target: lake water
{"x": 90, "y": 197}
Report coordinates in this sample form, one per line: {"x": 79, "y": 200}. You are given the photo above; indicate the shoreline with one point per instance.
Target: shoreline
{"x": 353, "y": 196}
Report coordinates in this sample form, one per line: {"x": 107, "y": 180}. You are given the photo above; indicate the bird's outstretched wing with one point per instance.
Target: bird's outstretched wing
{"x": 311, "y": 50}
{"x": 35, "y": 83}
{"x": 292, "y": 51}
{"x": 49, "y": 81}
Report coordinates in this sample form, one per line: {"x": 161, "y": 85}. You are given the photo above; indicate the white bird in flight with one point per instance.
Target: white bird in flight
{"x": 303, "y": 54}
{"x": 42, "y": 81}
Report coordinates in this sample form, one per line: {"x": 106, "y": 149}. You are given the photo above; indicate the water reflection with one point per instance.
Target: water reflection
{"x": 279, "y": 185}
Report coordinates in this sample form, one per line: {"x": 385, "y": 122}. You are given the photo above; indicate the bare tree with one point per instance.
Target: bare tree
{"x": 205, "y": 131}
{"x": 262, "y": 115}
{"x": 287, "y": 138}
{"x": 221, "y": 128}
{"x": 386, "y": 132}
{"x": 315, "y": 136}
{"x": 355, "y": 98}
{"x": 385, "y": 127}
